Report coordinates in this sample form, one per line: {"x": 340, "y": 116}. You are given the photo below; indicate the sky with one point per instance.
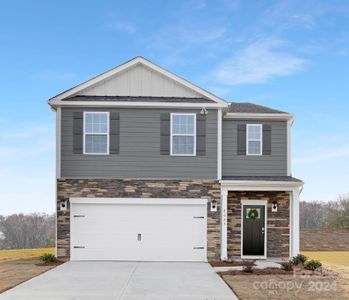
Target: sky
{"x": 290, "y": 55}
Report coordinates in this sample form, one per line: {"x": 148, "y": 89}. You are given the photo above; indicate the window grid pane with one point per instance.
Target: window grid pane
{"x": 96, "y": 123}
{"x": 254, "y": 133}
{"x": 183, "y": 124}
{"x": 96, "y": 144}
{"x": 183, "y": 145}
{"x": 254, "y": 147}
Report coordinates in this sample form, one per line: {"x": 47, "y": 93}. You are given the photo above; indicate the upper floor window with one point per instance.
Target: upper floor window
{"x": 96, "y": 133}
{"x": 183, "y": 134}
{"x": 254, "y": 139}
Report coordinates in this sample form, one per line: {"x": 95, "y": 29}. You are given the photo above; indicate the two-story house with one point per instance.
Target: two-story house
{"x": 152, "y": 167}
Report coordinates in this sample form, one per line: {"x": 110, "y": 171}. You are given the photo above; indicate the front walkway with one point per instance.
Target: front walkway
{"x": 125, "y": 280}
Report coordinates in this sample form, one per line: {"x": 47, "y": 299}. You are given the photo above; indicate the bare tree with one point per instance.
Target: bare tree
{"x": 312, "y": 214}
{"x": 21, "y": 231}
{"x": 333, "y": 214}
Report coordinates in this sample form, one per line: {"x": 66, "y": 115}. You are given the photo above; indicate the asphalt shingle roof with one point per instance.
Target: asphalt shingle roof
{"x": 246, "y": 107}
{"x": 263, "y": 178}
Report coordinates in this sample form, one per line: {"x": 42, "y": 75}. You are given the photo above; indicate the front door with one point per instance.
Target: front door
{"x": 253, "y": 230}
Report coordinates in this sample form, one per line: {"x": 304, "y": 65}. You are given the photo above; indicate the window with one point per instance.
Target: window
{"x": 96, "y": 133}
{"x": 183, "y": 134}
{"x": 254, "y": 139}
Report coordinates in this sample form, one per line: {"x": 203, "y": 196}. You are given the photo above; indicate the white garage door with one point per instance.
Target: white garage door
{"x": 138, "y": 229}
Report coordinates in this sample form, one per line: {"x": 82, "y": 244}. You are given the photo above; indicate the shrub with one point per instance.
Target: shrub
{"x": 287, "y": 266}
{"x": 48, "y": 258}
{"x": 313, "y": 265}
{"x": 299, "y": 259}
{"x": 248, "y": 267}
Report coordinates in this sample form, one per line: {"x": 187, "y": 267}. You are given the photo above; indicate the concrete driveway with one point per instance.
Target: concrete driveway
{"x": 124, "y": 280}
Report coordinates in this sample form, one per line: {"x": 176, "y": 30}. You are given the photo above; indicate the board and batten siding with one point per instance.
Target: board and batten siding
{"x": 139, "y": 155}
{"x": 140, "y": 81}
{"x": 274, "y": 164}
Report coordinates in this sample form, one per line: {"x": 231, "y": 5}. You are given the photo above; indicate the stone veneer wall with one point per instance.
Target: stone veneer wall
{"x": 278, "y": 223}
{"x": 115, "y": 188}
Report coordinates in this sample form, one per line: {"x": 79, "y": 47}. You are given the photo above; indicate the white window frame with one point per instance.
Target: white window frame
{"x": 180, "y": 134}
{"x": 254, "y": 140}
{"x": 84, "y": 133}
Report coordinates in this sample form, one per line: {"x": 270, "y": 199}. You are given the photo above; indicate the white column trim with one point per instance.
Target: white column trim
{"x": 219, "y": 144}
{"x": 58, "y": 165}
{"x": 58, "y": 141}
{"x": 295, "y": 222}
{"x": 289, "y": 125}
{"x": 224, "y": 226}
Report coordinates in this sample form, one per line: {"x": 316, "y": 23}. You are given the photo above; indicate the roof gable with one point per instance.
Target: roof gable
{"x": 140, "y": 78}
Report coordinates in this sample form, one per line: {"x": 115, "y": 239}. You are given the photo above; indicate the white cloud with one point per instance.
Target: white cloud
{"x": 338, "y": 152}
{"x": 258, "y": 63}
{"x": 123, "y": 26}
{"x": 54, "y": 75}
{"x": 24, "y": 141}
{"x": 306, "y": 20}
{"x": 194, "y": 4}
{"x": 26, "y": 131}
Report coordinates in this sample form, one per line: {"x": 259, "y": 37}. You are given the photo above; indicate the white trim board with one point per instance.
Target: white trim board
{"x": 289, "y": 146}
{"x": 56, "y": 100}
{"x": 219, "y": 143}
{"x": 58, "y": 142}
{"x": 136, "y": 104}
{"x": 255, "y": 185}
{"x": 260, "y": 116}
{"x": 254, "y": 202}
{"x": 138, "y": 201}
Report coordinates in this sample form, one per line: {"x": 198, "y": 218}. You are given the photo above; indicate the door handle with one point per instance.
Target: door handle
{"x": 139, "y": 237}
{"x": 262, "y": 230}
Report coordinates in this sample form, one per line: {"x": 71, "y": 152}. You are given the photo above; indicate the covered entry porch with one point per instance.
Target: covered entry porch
{"x": 260, "y": 217}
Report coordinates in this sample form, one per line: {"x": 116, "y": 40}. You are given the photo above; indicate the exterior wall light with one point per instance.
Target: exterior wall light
{"x": 203, "y": 111}
{"x": 274, "y": 207}
{"x": 63, "y": 205}
{"x": 213, "y": 205}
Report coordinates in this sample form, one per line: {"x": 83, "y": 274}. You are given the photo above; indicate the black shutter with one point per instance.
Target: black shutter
{"x": 266, "y": 139}
{"x": 78, "y": 123}
{"x": 165, "y": 120}
{"x": 200, "y": 135}
{"x": 241, "y": 139}
{"x": 114, "y": 133}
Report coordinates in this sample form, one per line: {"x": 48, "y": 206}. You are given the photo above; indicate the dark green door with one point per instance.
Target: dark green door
{"x": 253, "y": 230}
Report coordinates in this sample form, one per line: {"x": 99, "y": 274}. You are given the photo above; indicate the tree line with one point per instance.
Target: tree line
{"x": 25, "y": 231}
{"x": 332, "y": 214}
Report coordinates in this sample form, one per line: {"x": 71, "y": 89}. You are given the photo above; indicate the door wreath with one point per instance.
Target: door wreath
{"x": 253, "y": 214}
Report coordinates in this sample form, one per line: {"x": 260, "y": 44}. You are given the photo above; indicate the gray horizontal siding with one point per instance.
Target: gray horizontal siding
{"x": 265, "y": 165}
{"x": 139, "y": 150}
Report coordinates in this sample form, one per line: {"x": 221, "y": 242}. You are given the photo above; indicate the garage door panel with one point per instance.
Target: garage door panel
{"x": 138, "y": 232}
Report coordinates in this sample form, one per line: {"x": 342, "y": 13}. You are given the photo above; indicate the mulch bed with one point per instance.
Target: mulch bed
{"x": 219, "y": 263}
{"x": 267, "y": 271}
{"x": 276, "y": 271}
{"x": 45, "y": 264}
